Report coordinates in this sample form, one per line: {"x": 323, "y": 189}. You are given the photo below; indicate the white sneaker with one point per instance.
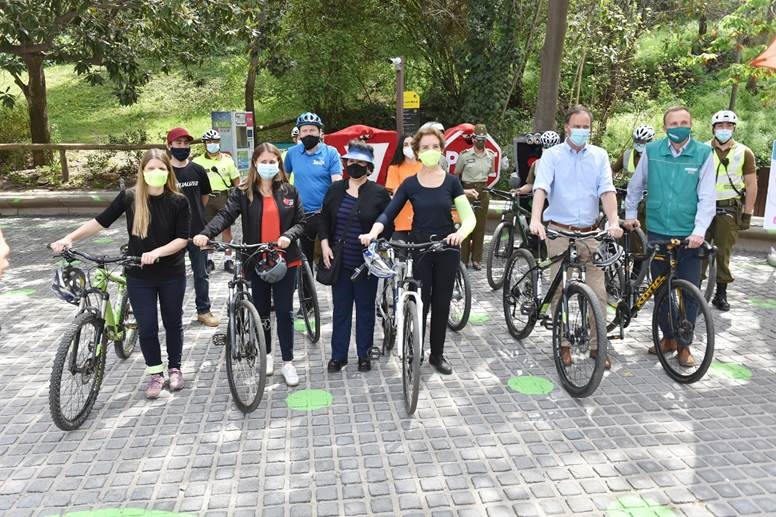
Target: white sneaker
{"x": 270, "y": 365}
{"x": 289, "y": 374}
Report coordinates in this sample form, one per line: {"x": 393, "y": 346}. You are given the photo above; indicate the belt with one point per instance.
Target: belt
{"x": 219, "y": 193}
{"x": 728, "y": 202}
{"x": 574, "y": 228}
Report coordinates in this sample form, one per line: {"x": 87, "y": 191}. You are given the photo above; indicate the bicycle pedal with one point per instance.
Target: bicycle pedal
{"x": 219, "y": 339}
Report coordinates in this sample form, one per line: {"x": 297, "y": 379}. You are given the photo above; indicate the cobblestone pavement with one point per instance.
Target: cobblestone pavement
{"x": 641, "y": 445}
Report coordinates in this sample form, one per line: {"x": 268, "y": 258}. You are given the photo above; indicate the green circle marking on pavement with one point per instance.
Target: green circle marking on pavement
{"x": 478, "y": 319}
{"x": 637, "y": 506}
{"x": 299, "y": 326}
{"x": 735, "y": 371}
{"x": 309, "y": 400}
{"x": 531, "y": 385}
{"x": 124, "y": 512}
{"x": 103, "y": 240}
{"x": 763, "y": 303}
{"x": 96, "y": 197}
{"x": 29, "y": 291}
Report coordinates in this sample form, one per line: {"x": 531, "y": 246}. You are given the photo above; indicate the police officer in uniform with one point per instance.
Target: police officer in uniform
{"x": 473, "y": 167}
{"x": 734, "y": 165}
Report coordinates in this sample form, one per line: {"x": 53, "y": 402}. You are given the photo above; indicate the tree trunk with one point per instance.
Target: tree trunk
{"x": 734, "y": 88}
{"x": 250, "y": 85}
{"x": 37, "y": 107}
{"x": 547, "y": 100}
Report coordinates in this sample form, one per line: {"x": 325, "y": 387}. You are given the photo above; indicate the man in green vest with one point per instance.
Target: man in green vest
{"x": 736, "y": 173}
{"x": 678, "y": 174}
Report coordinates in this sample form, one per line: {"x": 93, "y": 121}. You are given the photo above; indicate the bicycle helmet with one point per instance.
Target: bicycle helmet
{"x": 644, "y": 133}
{"x": 607, "y": 253}
{"x": 294, "y": 132}
{"x": 379, "y": 266}
{"x": 69, "y": 283}
{"x": 271, "y": 267}
{"x": 549, "y": 139}
{"x": 211, "y": 134}
{"x": 308, "y": 119}
{"x": 724, "y": 116}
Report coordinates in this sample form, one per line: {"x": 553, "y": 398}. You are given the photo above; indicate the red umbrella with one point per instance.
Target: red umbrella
{"x": 767, "y": 59}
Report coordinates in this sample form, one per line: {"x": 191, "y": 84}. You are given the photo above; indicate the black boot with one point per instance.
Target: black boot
{"x": 720, "y": 298}
{"x": 440, "y": 364}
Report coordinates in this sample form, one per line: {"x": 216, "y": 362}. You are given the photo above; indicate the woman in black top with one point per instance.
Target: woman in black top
{"x": 350, "y": 208}
{"x": 432, "y": 193}
{"x": 271, "y": 212}
{"x": 158, "y": 227}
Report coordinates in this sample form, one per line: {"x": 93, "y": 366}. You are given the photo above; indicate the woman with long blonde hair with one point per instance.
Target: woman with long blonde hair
{"x": 158, "y": 227}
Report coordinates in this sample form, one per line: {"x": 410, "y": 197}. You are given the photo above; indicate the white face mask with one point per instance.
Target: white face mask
{"x": 408, "y": 152}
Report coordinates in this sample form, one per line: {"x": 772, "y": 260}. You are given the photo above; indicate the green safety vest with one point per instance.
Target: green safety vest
{"x": 732, "y": 175}
{"x": 672, "y": 184}
{"x": 629, "y": 162}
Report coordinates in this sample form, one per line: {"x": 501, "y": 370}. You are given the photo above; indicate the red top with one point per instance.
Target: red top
{"x": 270, "y": 225}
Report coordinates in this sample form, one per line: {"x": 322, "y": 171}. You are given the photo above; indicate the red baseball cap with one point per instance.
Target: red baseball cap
{"x": 176, "y": 133}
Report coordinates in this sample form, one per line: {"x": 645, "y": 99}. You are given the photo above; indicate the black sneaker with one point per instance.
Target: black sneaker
{"x": 335, "y": 366}
{"x": 364, "y": 364}
{"x": 229, "y": 266}
{"x": 440, "y": 364}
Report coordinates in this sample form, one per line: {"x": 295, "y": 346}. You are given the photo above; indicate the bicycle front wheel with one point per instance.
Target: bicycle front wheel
{"x": 519, "y": 293}
{"x": 687, "y": 318}
{"x": 581, "y": 365}
{"x": 411, "y": 356}
{"x": 388, "y": 314}
{"x": 126, "y": 345}
{"x": 709, "y": 283}
{"x": 77, "y": 372}
{"x": 308, "y": 301}
{"x": 461, "y": 302}
{"x": 498, "y": 253}
{"x": 246, "y": 357}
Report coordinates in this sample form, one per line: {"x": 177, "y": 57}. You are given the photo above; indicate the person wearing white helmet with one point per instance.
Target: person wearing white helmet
{"x": 735, "y": 169}
{"x": 223, "y": 175}
{"x": 625, "y": 166}
{"x": 548, "y": 139}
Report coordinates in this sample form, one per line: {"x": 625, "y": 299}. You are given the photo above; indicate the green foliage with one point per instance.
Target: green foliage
{"x": 13, "y": 128}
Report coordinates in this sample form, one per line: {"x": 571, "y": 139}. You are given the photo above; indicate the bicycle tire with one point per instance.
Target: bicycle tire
{"x": 411, "y": 356}
{"x": 252, "y": 354}
{"x": 126, "y": 321}
{"x": 578, "y": 289}
{"x": 708, "y": 285}
{"x": 640, "y": 259}
{"x": 462, "y": 295}
{"x": 71, "y": 340}
{"x": 519, "y": 299}
{"x": 388, "y": 305}
{"x": 614, "y": 277}
{"x": 308, "y": 301}
{"x": 499, "y": 251}
{"x": 671, "y": 364}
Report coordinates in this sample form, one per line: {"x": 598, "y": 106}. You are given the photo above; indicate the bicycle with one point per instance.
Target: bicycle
{"x": 678, "y": 301}
{"x": 308, "y": 300}
{"x": 246, "y": 349}
{"x": 522, "y": 298}
{"x": 461, "y": 302}
{"x": 510, "y": 233}
{"x": 79, "y": 364}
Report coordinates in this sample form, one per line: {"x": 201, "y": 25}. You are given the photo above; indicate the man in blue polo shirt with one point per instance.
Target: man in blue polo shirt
{"x": 315, "y": 166}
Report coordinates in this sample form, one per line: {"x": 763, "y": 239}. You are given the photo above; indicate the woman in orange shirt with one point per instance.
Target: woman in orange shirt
{"x": 403, "y": 165}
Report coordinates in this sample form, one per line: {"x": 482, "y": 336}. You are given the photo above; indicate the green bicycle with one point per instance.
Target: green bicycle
{"x": 79, "y": 364}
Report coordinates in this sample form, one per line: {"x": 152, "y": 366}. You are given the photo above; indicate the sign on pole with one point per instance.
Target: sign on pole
{"x": 769, "y": 222}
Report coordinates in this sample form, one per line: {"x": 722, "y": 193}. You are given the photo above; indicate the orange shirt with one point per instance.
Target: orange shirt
{"x": 270, "y": 225}
{"x": 397, "y": 174}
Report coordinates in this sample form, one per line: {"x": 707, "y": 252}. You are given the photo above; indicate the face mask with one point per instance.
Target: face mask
{"x": 155, "y": 177}
{"x": 267, "y": 170}
{"x": 430, "y": 158}
{"x": 310, "y": 141}
{"x": 639, "y": 147}
{"x": 579, "y": 136}
{"x": 408, "y": 152}
{"x": 213, "y": 148}
{"x": 678, "y": 134}
{"x": 356, "y": 171}
{"x": 723, "y": 135}
{"x": 180, "y": 153}
{"x": 479, "y": 144}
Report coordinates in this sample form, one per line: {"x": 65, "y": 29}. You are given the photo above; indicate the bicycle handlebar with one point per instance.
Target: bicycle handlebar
{"x": 260, "y": 246}
{"x": 706, "y": 248}
{"x": 125, "y": 260}
{"x": 593, "y": 234}
{"x": 428, "y": 246}
{"x": 505, "y": 194}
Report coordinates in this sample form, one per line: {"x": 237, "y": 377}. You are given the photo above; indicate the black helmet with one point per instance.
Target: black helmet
{"x": 271, "y": 266}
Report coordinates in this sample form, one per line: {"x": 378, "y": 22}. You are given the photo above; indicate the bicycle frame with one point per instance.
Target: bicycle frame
{"x": 519, "y": 215}
{"x": 403, "y": 292}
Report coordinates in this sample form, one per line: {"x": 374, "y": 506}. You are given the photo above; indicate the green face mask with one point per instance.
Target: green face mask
{"x": 430, "y": 158}
{"x": 155, "y": 177}
{"x": 678, "y": 134}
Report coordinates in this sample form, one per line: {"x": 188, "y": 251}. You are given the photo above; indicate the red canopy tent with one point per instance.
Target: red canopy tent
{"x": 382, "y": 141}
{"x": 767, "y": 59}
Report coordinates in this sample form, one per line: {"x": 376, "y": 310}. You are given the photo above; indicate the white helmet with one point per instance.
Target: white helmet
{"x": 294, "y": 132}
{"x": 433, "y": 125}
{"x": 211, "y": 134}
{"x": 724, "y": 116}
{"x": 644, "y": 133}
{"x": 549, "y": 139}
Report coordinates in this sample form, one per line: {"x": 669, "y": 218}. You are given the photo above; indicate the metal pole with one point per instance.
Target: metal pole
{"x": 398, "y": 63}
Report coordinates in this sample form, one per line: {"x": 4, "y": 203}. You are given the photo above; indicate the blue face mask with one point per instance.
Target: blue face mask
{"x": 678, "y": 134}
{"x": 267, "y": 170}
{"x": 723, "y": 135}
{"x": 639, "y": 147}
{"x": 579, "y": 136}
{"x": 213, "y": 148}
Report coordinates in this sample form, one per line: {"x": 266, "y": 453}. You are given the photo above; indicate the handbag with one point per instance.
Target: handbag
{"x": 328, "y": 275}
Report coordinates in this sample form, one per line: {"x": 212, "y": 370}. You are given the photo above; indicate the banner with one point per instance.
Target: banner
{"x": 769, "y": 222}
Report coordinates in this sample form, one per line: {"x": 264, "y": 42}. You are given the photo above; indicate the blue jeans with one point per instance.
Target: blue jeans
{"x": 688, "y": 268}
{"x": 198, "y": 259}
{"x": 143, "y": 295}
{"x": 344, "y": 293}
{"x": 282, "y": 293}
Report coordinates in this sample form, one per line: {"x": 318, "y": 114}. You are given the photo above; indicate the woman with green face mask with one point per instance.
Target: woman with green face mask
{"x": 432, "y": 193}
{"x": 158, "y": 228}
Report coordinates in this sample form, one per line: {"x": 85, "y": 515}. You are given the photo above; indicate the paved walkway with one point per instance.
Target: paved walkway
{"x": 641, "y": 445}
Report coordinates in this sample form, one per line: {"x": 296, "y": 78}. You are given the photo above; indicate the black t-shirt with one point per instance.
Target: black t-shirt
{"x": 431, "y": 206}
{"x": 193, "y": 183}
{"x": 169, "y": 221}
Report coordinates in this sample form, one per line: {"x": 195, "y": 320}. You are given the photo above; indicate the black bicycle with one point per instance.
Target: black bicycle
{"x": 308, "y": 300}
{"x": 578, "y": 324}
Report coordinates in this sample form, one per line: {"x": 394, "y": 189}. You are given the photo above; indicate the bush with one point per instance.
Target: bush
{"x": 14, "y": 127}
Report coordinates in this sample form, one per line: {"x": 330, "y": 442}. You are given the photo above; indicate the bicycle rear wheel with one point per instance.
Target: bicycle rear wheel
{"x": 709, "y": 283}
{"x": 388, "y": 314}
{"x": 411, "y": 356}
{"x": 126, "y": 345}
{"x": 688, "y": 318}
{"x": 587, "y": 332}
{"x": 77, "y": 372}
{"x": 246, "y": 357}
{"x": 308, "y": 301}
{"x": 498, "y": 253}
{"x": 519, "y": 293}
{"x": 461, "y": 302}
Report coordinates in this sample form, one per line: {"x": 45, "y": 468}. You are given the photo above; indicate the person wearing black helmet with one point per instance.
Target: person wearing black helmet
{"x": 271, "y": 212}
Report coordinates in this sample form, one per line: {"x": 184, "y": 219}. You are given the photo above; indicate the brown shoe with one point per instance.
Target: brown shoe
{"x": 565, "y": 355}
{"x": 685, "y": 357}
{"x": 607, "y": 361}
{"x": 208, "y": 319}
{"x": 666, "y": 345}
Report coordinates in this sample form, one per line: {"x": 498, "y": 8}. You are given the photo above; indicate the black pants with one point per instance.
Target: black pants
{"x": 282, "y": 293}
{"x": 436, "y": 272}
{"x": 310, "y": 234}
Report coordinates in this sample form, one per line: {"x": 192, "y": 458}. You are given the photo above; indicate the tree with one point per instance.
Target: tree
{"x": 547, "y": 97}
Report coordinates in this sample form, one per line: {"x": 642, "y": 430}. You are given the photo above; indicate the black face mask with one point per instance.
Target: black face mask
{"x": 479, "y": 144}
{"x": 310, "y": 141}
{"x": 356, "y": 171}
